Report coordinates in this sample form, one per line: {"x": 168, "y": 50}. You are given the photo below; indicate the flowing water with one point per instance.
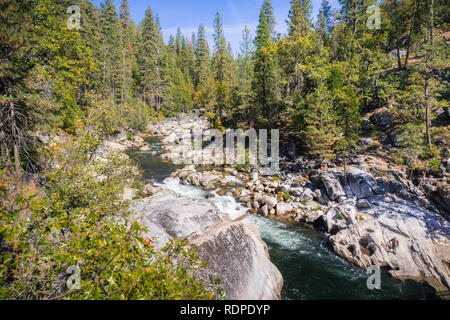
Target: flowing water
{"x": 310, "y": 270}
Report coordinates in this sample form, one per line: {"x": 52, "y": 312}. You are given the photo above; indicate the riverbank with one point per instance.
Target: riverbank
{"x": 360, "y": 217}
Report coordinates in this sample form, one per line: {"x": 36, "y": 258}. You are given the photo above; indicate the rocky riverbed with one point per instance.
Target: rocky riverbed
{"x": 361, "y": 213}
{"x": 233, "y": 251}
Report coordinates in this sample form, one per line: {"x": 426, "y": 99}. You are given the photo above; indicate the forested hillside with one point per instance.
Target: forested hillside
{"x": 320, "y": 84}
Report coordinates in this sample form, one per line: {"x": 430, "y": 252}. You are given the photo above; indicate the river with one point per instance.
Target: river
{"x": 310, "y": 270}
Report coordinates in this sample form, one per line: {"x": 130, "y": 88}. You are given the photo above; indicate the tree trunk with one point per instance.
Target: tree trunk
{"x": 411, "y": 30}
{"x": 15, "y": 137}
{"x": 397, "y": 36}
{"x": 427, "y": 111}
{"x": 428, "y": 69}
{"x": 345, "y": 170}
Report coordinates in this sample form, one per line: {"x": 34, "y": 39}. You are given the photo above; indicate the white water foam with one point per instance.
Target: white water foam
{"x": 272, "y": 231}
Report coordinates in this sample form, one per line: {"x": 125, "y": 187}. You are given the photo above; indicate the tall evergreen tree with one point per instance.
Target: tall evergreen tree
{"x": 299, "y": 18}
{"x": 153, "y": 84}
{"x": 325, "y": 9}
{"x": 16, "y": 39}
{"x": 324, "y": 23}
{"x": 245, "y": 70}
{"x": 111, "y": 47}
{"x": 202, "y": 58}
{"x": 320, "y": 124}
{"x": 128, "y": 56}
{"x": 270, "y": 17}
{"x": 265, "y": 82}
{"x": 221, "y": 65}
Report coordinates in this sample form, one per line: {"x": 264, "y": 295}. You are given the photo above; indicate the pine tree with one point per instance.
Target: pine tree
{"x": 16, "y": 40}
{"x": 66, "y": 68}
{"x": 269, "y": 16}
{"x": 245, "y": 71}
{"x": 324, "y": 23}
{"x": 299, "y": 18}
{"x": 91, "y": 33}
{"x": 111, "y": 46}
{"x": 153, "y": 84}
{"x": 128, "y": 56}
{"x": 221, "y": 65}
{"x": 348, "y": 120}
{"x": 320, "y": 131}
{"x": 202, "y": 58}
{"x": 325, "y": 10}
{"x": 186, "y": 61}
{"x": 265, "y": 83}
{"x": 179, "y": 95}
{"x": 436, "y": 60}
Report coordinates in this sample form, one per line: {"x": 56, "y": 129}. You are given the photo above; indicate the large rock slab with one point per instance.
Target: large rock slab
{"x": 338, "y": 217}
{"x": 179, "y": 216}
{"x": 332, "y": 185}
{"x": 424, "y": 237}
{"x": 283, "y": 208}
{"x": 361, "y": 183}
{"x": 233, "y": 251}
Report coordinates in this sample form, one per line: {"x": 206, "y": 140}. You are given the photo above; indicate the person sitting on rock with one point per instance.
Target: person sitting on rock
{"x": 394, "y": 244}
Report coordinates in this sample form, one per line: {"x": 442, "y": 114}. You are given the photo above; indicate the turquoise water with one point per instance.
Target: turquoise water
{"x": 310, "y": 270}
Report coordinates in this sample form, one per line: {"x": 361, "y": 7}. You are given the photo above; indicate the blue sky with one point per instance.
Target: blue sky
{"x": 189, "y": 14}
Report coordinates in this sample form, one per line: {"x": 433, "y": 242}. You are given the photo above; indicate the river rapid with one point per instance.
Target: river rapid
{"x": 310, "y": 270}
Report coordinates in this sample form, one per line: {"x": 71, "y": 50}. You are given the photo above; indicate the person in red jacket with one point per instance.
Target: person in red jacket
{"x": 394, "y": 244}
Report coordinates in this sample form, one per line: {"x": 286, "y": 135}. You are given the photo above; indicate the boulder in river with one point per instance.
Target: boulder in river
{"x": 233, "y": 251}
{"x": 424, "y": 245}
{"x": 283, "y": 208}
{"x": 332, "y": 185}
{"x": 271, "y": 202}
{"x": 361, "y": 182}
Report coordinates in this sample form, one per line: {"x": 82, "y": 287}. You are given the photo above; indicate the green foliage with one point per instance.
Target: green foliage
{"x": 397, "y": 157}
{"x": 202, "y": 59}
{"x": 80, "y": 221}
{"x": 320, "y": 120}
{"x": 222, "y": 66}
{"x": 374, "y": 145}
{"x": 434, "y": 165}
{"x": 412, "y": 142}
{"x": 243, "y": 167}
{"x": 113, "y": 75}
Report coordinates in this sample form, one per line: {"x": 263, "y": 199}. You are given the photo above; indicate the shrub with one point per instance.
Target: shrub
{"x": 242, "y": 167}
{"x": 78, "y": 221}
{"x": 397, "y": 157}
{"x": 262, "y": 123}
{"x": 138, "y": 184}
{"x": 434, "y": 165}
{"x": 374, "y": 145}
{"x": 341, "y": 216}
